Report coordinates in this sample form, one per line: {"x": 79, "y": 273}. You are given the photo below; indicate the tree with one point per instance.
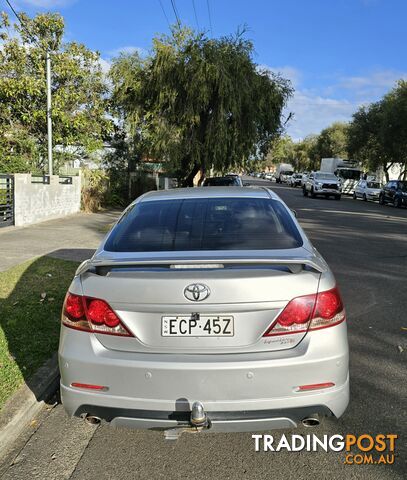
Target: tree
{"x": 377, "y": 135}
{"x": 199, "y": 103}
{"x": 306, "y": 153}
{"x": 78, "y": 94}
{"x": 393, "y": 132}
{"x": 282, "y": 150}
{"x": 332, "y": 141}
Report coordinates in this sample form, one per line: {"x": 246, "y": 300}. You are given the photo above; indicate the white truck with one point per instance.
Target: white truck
{"x": 283, "y": 172}
{"x": 345, "y": 170}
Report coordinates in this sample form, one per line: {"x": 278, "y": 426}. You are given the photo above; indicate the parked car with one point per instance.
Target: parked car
{"x": 322, "y": 183}
{"x": 295, "y": 180}
{"x": 394, "y": 192}
{"x": 367, "y": 190}
{"x": 304, "y": 178}
{"x": 268, "y": 176}
{"x": 227, "y": 181}
{"x": 177, "y": 321}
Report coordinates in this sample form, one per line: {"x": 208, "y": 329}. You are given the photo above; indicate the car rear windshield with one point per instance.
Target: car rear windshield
{"x": 204, "y": 224}
{"x": 221, "y": 182}
{"x": 326, "y": 176}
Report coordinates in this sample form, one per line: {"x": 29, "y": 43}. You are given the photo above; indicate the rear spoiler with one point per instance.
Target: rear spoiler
{"x": 102, "y": 267}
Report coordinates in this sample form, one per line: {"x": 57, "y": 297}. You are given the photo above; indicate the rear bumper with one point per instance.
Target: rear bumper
{"x": 239, "y": 392}
{"x": 244, "y": 421}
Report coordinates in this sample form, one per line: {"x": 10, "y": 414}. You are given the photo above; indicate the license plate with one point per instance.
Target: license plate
{"x": 197, "y": 326}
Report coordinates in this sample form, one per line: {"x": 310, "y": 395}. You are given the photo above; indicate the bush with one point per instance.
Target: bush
{"x": 140, "y": 184}
{"x": 95, "y": 184}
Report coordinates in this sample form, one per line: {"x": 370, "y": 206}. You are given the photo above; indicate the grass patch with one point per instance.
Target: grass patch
{"x": 31, "y": 296}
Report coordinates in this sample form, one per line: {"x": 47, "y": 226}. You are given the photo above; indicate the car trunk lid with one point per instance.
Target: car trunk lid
{"x": 249, "y": 291}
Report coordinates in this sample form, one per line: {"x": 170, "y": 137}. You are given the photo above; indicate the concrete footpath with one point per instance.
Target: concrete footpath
{"x": 74, "y": 237}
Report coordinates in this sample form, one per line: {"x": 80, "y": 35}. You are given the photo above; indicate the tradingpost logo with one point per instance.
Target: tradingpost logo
{"x": 358, "y": 449}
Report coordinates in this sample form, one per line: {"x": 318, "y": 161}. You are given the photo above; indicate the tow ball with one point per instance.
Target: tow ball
{"x": 198, "y": 422}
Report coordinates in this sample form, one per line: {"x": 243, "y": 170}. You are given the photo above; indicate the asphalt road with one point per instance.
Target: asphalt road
{"x": 366, "y": 246}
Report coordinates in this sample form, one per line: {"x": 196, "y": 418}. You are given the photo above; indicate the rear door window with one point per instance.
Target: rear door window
{"x": 205, "y": 224}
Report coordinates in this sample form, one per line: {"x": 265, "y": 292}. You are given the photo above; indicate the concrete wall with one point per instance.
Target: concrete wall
{"x": 37, "y": 202}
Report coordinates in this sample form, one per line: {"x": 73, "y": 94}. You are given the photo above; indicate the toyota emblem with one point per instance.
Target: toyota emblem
{"x": 196, "y": 292}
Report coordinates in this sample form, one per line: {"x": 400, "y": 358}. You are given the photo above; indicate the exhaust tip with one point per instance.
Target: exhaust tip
{"x": 311, "y": 421}
{"x": 92, "y": 420}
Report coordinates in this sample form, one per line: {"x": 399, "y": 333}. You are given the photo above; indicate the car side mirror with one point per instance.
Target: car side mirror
{"x": 295, "y": 213}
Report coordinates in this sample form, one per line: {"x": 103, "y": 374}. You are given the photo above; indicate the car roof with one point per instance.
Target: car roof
{"x": 212, "y": 192}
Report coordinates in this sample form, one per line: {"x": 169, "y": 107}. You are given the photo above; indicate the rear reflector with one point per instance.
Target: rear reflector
{"x": 92, "y": 315}
{"x": 315, "y": 386}
{"x": 88, "y": 386}
{"x": 309, "y": 312}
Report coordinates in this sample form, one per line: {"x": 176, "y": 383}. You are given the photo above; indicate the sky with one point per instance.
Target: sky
{"x": 339, "y": 54}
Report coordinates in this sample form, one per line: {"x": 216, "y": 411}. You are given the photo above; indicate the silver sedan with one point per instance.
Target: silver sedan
{"x": 205, "y": 310}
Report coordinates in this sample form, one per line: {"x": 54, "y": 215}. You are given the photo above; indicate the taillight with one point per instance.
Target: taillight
{"x": 309, "y": 312}
{"x": 91, "y": 315}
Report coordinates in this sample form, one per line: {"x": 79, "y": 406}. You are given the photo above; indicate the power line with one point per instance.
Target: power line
{"x": 210, "y": 17}
{"x": 176, "y": 12}
{"x": 165, "y": 15}
{"x": 21, "y": 22}
{"x": 13, "y": 10}
{"x": 196, "y": 16}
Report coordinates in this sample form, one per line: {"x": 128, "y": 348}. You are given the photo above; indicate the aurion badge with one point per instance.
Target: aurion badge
{"x": 196, "y": 292}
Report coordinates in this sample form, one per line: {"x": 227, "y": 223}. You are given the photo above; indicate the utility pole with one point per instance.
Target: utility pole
{"x": 49, "y": 113}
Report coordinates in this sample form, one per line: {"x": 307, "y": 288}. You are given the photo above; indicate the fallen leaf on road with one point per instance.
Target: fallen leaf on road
{"x": 401, "y": 349}
{"x": 404, "y": 328}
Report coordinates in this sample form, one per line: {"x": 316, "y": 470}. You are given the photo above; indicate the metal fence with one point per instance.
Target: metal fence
{"x": 6, "y": 200}
{"x": 43, "y": 179}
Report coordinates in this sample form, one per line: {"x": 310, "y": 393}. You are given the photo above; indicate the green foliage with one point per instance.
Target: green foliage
{"x": 119, "y": 161}
{"x": 282, "y": 150}
{"x": 78, "y": 94}
{"x": 199, "y": 103}
{"x": 378, "y": 132}
{"x": 332, "y": 141}
{"x": 307, "y": 156}
{"x": 302, "y": 155}
{"x": 95, "y": 184}
{"x": 17, "y": 150}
